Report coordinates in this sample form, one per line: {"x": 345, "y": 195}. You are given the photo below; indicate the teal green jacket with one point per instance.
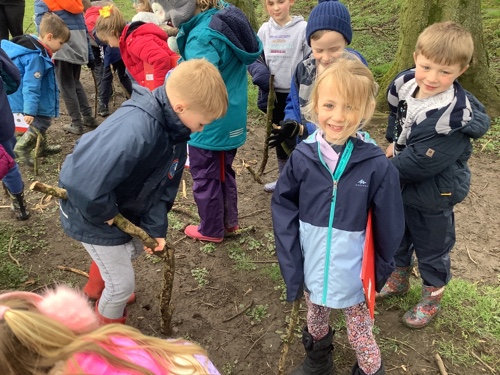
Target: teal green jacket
{"x": 225, "y": 38}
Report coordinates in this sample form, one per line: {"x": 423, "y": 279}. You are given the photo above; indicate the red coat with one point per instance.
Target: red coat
{"x": 146, "y": 44}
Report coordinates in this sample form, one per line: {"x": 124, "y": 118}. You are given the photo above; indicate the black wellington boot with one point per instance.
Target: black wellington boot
{"x": 357, "y": 371}
{"x": 18, "y": 205}
{"x": 319, "y": 355}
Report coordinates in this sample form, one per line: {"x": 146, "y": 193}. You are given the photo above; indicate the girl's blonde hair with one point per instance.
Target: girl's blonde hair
{"x": 110, "y": 25}
{"x": 349, "y": 78}
{"x": 32, "y": 343}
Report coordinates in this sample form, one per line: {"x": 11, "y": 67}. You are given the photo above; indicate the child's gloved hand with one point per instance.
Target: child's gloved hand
{"x": 287, "y": 129}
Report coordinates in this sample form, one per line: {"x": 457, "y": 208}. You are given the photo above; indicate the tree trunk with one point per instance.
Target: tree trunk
{"x": 248, "y": 8}
{"x": 416, "y": 15}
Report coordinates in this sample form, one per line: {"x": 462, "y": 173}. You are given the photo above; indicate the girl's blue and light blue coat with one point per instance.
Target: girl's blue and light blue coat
{"x": 306, "y": 218}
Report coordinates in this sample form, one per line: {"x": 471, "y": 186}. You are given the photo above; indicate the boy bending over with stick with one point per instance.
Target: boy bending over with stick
{"x": 132, "y": 164}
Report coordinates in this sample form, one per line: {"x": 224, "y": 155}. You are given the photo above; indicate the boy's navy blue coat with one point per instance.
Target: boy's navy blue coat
{"x": 9, "y": 82}
{"x": 306, "y": 218}
{"x": 433, "y": 167}
{"x": 131, "y": 164}
{"x": 260, "y": 77}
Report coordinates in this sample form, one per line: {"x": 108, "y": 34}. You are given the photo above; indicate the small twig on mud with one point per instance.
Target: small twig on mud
{"x": 440, "y": 364}
{"x": 186, "y": 212}
{"x": 254, "y": 174}
{"x": 268, "y": 365}
{"x": 192, "y": 290}
{"x": 10, "y": 254}
{"x": 263, "y": 261}
{"x": 253, "y": 213}
{"x": 4, "y": 206}
{"x": 250, "y": 228}
{"x": 484, "y": 146}
{"x": 468, "y": 253}
{"x": 480, "y": 360}
{"x": 255, "y": 342}
{"x": 184, "y": 191}
{"x": 74, "y": 270}
{"x": 179, "y": 240}
{"x": 238, "y": 314}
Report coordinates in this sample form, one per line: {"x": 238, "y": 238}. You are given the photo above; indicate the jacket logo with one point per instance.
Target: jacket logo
{"x": 430, "y": 153}
{"x": 173, "y": 168}
{"x": 362, "y": 183}
{"x": 37, "y": 75}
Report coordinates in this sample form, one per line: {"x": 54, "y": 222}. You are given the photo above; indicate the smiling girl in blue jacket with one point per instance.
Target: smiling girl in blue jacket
{"x": 320, "y": 208}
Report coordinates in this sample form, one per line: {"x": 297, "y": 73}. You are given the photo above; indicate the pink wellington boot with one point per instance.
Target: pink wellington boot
{"x": 192, "y": 231}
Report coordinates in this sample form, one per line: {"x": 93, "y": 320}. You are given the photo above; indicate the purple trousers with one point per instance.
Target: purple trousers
{"x": 214, "y": 189}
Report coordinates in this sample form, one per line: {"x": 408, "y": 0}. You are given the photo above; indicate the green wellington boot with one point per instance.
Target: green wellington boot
{"x": 24, "y": 146}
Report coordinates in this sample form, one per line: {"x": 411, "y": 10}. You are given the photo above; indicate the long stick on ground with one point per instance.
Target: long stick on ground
{"x": 119, "y": 220}
{"x": 257, "y": 176}
{"x": 289, "y": 336}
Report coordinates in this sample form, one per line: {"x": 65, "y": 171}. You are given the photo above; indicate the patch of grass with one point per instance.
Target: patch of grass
{"x": 490, "y": 142}
{"x": 200, "y": 275}
{"x": 258, "y": 313}
{"x": 18, "y": 242}
{"x": 243, "y": 262}
{"x": 470, "y": 312}
{"x": 208, "y": 248}
{"x": 273, "y": 272}
{"x": 174, "y": 222}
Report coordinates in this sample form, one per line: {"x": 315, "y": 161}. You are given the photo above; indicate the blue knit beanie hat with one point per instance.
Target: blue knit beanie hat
{"x": 329, "y": 15}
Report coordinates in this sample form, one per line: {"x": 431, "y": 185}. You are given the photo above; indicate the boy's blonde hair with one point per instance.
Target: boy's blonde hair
{"x": 32, "y": 343}
{"x": 51, "y": 23}
{"x": 199, "y": 83}
{"x": 110, "y": 25}
{"x": 354, "y": 83}
{"x": 446, "y": 43}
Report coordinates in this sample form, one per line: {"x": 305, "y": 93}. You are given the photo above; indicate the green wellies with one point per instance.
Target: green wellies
{"x": 27, "y": 143}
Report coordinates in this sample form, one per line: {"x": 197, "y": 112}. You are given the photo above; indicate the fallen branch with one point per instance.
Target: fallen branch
{"x": 10, "y": 254}
{"x": 119, "y": 220}
{"x": 484, "y": 363}
{"x": 238, "y": 314}
{"x": 289, "y": 336}
{"x": 74, "y": 270}
{"x": 440, "y": 364}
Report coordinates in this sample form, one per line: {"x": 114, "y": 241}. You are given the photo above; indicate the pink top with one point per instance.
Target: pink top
{"x": 93, "y": 364}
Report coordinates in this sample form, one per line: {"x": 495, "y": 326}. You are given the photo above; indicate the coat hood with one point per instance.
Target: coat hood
{"x": 24, "y": 45}
{"x": 231, "y": 26}
{"x": 295, "y": 20}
